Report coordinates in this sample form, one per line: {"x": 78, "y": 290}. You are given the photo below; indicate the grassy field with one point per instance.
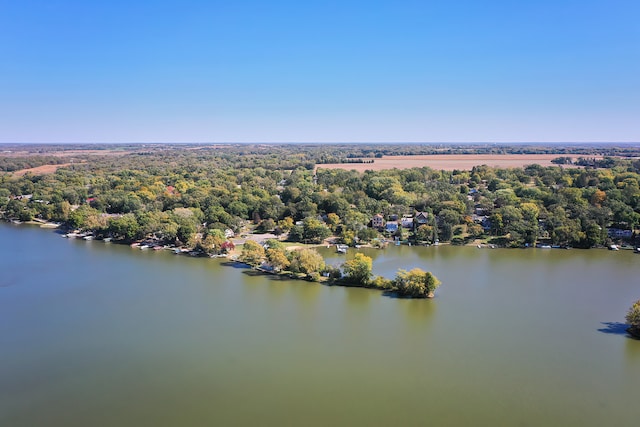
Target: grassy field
{"x": 449, "y": 161}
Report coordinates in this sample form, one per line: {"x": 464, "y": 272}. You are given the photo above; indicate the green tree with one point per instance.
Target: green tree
{"x": 358, "y": 269}
{"x": 277, "y": 257}
{"x": 633, "y": 319}
{"x": 274, "y": 244}
{"x": 314, "y": 231}
{"x": 367, "y": 234}
{"x": 167, "y": 231}
{"x": 212, "y": 242}
{"x": 286, "y": 224}
{"x": 125, "y": 227}
{"x": 215, "y": 238}
{"x": 252, "y": 253}
{"x": 186, "y": 231}
{"x": 78, "y": 217}
{"x": 416, "y": 283}
{"x": 348, "y": 237}
{"x": 594, "y": 235}
{"x": 424, "y": 232}
{"x": 266, "y": 225}
{"x": 61, "y": 211}
{"x": 296, "y": 234}
{"x": 307, "y": 261}
{"x": 497, "y": 224}
{"x": 333, "y": 220}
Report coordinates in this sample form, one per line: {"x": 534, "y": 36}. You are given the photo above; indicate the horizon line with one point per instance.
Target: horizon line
{"x": 316, "y": 142}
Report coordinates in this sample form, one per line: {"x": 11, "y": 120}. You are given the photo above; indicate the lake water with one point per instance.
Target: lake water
{"x": 96, "y": 334}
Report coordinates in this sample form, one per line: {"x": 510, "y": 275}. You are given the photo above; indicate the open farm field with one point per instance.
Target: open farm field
{"x": 41, "y": 170}
{"x": 449, "y": 161}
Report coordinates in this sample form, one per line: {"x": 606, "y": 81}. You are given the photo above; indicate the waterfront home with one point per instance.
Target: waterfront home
{"x": 377, "y": 221}
{"x": 421, "y": 219}
{"x": 619, "y": 233}
{"x": 391, "y": 226}
{"x": 407, "y": 221}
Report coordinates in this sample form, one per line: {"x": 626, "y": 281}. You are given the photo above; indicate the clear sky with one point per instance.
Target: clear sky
{"x": 314, "y": 71}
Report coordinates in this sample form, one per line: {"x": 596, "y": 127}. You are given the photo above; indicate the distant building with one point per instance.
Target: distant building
{"x": 421, "y": 219}
{"x": 377, "y": 221}
{"x": 619, "y": 233}
{"x": 480, "y": 210}
{"x": 391, "y": 227}
{"x": 407, "y": 222}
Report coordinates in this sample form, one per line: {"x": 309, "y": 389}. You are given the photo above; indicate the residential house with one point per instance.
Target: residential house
{"x": 421, "y": 218}
{"x": 479, "y": 210}
{"x": 377, "y": 221}
{"x": 391, "y": 227}
{"x": 407, "y": 222}
{"x": 619, "y": 233}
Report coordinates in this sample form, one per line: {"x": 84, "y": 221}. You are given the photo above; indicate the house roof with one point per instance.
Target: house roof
{"x": 422, "y": 215}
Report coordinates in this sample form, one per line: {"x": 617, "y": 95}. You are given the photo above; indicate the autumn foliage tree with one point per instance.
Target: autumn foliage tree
{"x": 416, "y": 283}
{"x": 633, "y": 319}
{"x": 358, "y": 269}
{"x": 277, "y": 257}
{"x": 307, "y": 261}
{"x": 252, "y": 253}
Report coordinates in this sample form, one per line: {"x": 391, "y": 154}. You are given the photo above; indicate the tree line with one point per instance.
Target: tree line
{"x": 309, "y": 264}
{"x": 181, "y": 195}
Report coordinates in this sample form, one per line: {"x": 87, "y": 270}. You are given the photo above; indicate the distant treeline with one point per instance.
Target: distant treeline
{"x": 330, "y": 160}
{"x": 11, "y": 164}
{"x": 377, "y": 151}
{"x": 603, "y": 163}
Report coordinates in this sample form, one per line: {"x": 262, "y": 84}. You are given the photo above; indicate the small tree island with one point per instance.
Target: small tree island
{"x": 308, "y": 264}
{"x": 416, "y": 283}
{"x": 633, "y": 319}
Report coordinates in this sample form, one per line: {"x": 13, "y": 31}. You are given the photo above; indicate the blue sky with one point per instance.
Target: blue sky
{"x": 315, "y": 71}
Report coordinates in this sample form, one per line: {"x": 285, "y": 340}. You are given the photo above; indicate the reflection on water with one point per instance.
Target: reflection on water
{"x": 102, "y": 335}
{"x": 361, "y": 298}
{"x": 419, "y": 312}
{"x": 632, "y": 352}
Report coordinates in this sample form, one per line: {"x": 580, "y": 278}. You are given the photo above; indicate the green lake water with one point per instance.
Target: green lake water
{"x": 96, "y": 334}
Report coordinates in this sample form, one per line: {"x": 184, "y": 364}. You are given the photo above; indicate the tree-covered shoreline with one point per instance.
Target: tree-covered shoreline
{"x": 307, "y": 264}
{"x": 182, "y": 194}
